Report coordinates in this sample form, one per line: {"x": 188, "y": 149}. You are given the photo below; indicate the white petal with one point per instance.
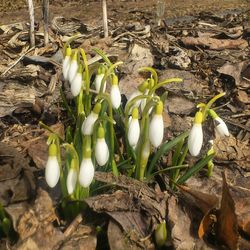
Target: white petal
{"x": 101, "y": 152}
{"x": 115, "y": 96}
{"x": 87, "y": 172}
{"x": 98, "y": 81}
{"x": 76, "y": 84}
{"x": 71, "y": 180}
{"x": 66, "y": 64}
{"x": 195, "y": 139}
{"x": 52, "y": 171}
{"x": 221, "y": 127}
{"x": 133, "y": 132}
{"x": 72, "y": 70}
{"x": 156, "y": 130}
{"x": 88, "y": 124}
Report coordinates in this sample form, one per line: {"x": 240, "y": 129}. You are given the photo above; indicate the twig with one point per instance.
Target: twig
{"x": 32, "y": 23}
{"x": 72, "y": 227}
{"x": 46, "y": 21}
{"x": 105, "y": 18}
{"x": 17, "y": 61}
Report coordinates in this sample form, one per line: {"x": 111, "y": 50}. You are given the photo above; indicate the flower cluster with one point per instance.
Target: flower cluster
{"x": 195, "y": 139}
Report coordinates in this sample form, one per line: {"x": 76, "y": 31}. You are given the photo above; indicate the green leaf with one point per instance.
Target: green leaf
{"x": 195, "y": 169}
{"x": 165, "y": 147}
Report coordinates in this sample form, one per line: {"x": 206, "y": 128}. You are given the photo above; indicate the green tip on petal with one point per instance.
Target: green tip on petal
{"x": 87, "y": 147}
{"x": 198, "y": 117}
{"x": 101, "y": 133}
{"x": 52, "y": 150}
{"x": 74, "y": 56}
{"x": 135, "y": 113}
{"x": 68, "y": 51}
{"x": 212, "y": 113}
{"x": 97, "y": 108}
{"x": 114, "y": 79}
{"x": 159, "y": 108}
{"x": 143, "y": 86}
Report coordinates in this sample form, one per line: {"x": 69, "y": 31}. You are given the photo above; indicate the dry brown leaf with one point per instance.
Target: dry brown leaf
{"x": 215, "y": 44}
{"x": 202, "y": 200}
{"x": 227, "y": 226}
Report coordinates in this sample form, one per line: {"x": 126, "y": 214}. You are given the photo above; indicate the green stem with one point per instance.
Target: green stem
{"x": 152, "y": 71}
{"x": 86, "y": 70}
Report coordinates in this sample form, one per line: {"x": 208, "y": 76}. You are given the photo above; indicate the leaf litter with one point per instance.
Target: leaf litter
{"x": 210, "y": 53}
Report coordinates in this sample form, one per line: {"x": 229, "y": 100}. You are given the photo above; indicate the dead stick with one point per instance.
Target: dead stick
{"x": 72, "y": 227}
{"x": 105, "y": 18}
{"x": 32, "y": 23}
{"x": 46, "y": 21}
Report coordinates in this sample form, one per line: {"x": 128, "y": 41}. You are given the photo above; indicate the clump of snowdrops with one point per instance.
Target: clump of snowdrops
{"x": 107, "y": 135}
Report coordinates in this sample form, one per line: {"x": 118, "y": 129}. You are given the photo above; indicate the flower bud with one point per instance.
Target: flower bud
{"x": 76, "y": 84}
{"x": 73, "y": 67}
{"x": 72, "y": 177}
{"x": 66, "y": 63}
{"x": 101, "y": 148}
{"x": 134, "y": 129}
{"x": 98, "y": 79}
{"x": 195, "y": 138}
{"x": 87, "y": 172}
{"x": 115, "y": 94}
{"x": 161, "y": 234}
{"x": 156, "y": 126}
{"x": 52, "y": 169}
{"x": 220, "y": 125}
{"x": 88, "y": 123}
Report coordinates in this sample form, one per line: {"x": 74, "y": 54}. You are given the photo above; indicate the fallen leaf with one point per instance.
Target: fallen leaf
{"x": 227, "y": 225}
{"x": 214, "y": 44}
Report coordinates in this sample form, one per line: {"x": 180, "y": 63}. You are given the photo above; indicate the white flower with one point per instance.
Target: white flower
{"x": 66, "y": 64}
{"x": 98, "y": 81}
{"x": 87, "y": 172}
{"x": 156, "y": 130}
{"x": 133, "y": 132}
{"x": 221, "y": 127}
{"x": 71, "y": 180}
{"x": 195, "y": 138}
{"x": 115, "y": 96}
{"x": 73, "y": 67}
{"x": 88, "y": 124}
{"x": 101, "y": 152}
{"x": 52, "y": 171}
{"x": 76, "y": 84}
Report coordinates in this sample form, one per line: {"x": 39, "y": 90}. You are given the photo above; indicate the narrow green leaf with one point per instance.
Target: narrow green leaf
{"x": 195, "y": 169}
{"x": 165, "y": 147}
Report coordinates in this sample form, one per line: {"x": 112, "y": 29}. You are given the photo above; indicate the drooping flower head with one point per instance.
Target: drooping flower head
{"x": 52, "y": 169}
{"x": 134, "y": 128}
{"x": 73, "y": 67}
{"x": 98, "y": 79}
{"x": 76, "y": 84}
{"x": 220, "y": 125}
{"x": 156, "y": 126}
{"x": 72, "y": 177}
{"x": 87, "y": 169}
{"x": 66, "y": 63}
{"x": 195, "y": 138}
{"x": 101, "y": 148}
{"x": 88, "y": 124}
{"x": 115, "y": 94}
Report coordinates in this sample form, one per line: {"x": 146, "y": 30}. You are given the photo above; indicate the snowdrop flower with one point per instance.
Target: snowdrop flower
{"x": 134, "y": 129}
{"x": 72, "y": 177}
{"x": 66, "y": 63}
{"x": 76, "y": 84}
{"x": 220, "y": 125}
{"x": 52, "y": 169}
{"x": 195, "y": 137}
{"x": 101, "y": 148}
{"x": 115, "y": 94}
{"x": 156, "y": 126}
{"x": 87, "y": 169}
{"x": 98, "y": 79}
{"x": 88, "y": 124}
{"x": 73, "y": 67}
